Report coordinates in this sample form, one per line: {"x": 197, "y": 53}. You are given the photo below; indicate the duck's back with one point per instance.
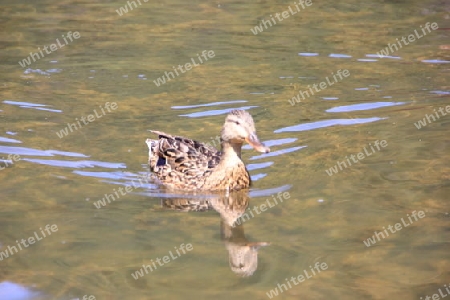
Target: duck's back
{"x": 184, "y": 164}
{"x": 181, "y": 163}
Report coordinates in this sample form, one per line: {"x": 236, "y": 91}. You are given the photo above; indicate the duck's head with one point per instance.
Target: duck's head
{"x": 239, "y": 128}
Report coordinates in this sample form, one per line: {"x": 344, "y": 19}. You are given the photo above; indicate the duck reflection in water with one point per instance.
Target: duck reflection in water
{"x": 243, "y": 254}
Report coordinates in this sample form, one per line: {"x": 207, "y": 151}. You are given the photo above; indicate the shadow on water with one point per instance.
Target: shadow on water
{"x": 243, "y": 254}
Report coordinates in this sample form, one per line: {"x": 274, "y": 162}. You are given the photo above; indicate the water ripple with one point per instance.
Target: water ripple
{"x": 435, "y": 61}
{"x": 141, "y": 185}
{"x": 276, "y": 153}
{"x": 383, "y": 56}
{"x": 20, "y": 103}
{"x": 13, "y": 291}
{"x": 108, "y": 175}
{"x": 34, "y": 152}
{"x": 268, "y": 192}
{"x": 42, "y": 108}
{"x": 42, "y": 72}
{"x": 338, "y": 55}
{"x": 252, "y": 167}
{"x": 271, "y": 143}
{"x": 440, "y": 92}
{"x": 207, "y": 195}
{"x": 258, "y": 176}
{"x": 31, "y": 105}
{"x": 363, "y": 106}
{"x": 209, "y": 104}
{"x": 8, "y": 140}
{"x": 215, "y": 112}
{"x": 76, "y": 164}
{"x": 308, "y": 54}
{"x": 327, "y": 123}
{"x": 367, "y": 59}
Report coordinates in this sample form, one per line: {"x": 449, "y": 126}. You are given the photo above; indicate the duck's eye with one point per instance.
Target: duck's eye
{"x": 237, "y": 122}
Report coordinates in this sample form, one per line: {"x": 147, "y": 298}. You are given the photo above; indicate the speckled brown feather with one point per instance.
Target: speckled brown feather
{"x": 182, "y": 163}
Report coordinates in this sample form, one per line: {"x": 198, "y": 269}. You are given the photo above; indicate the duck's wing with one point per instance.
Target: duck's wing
{"x": 181, "y": 155}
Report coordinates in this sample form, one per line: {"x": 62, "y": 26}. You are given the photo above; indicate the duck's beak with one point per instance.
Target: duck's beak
{"x": 149, "y": 143}
{"x": 253, "y": 140}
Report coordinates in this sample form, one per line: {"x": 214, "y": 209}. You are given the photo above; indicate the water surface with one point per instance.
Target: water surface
{"x": 56, "y": 164}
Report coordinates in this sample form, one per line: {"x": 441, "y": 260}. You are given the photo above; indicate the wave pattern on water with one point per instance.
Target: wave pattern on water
{"x": 31, "y": 105}
{"x": 327, "y": 123}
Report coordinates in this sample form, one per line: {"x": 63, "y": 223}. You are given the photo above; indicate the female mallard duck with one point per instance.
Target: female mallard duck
{"x": 182, "y": 163}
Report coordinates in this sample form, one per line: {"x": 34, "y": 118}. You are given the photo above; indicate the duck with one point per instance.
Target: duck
{"x": 180, "y": 163}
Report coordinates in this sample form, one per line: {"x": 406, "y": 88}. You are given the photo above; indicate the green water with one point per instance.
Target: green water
{"x": 325, "y": 219}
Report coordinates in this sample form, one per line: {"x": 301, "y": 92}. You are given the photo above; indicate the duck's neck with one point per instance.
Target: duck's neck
{"x": 231, "y": 151}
